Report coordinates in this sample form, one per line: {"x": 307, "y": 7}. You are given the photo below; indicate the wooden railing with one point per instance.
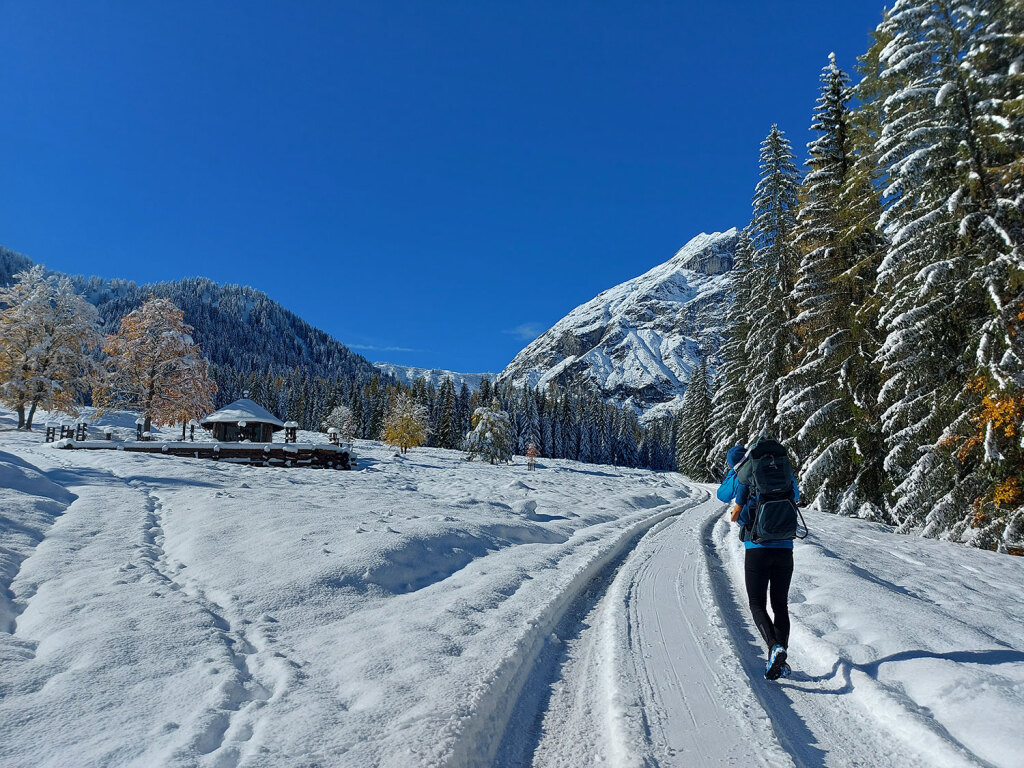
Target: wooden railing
{"x": 259, "y": 454}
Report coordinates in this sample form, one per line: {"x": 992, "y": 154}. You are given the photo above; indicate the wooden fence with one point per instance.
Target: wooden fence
{"x": 258, "y": 454}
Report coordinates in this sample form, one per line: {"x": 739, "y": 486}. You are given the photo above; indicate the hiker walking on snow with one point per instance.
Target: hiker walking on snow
{"x": 764, "y": 495}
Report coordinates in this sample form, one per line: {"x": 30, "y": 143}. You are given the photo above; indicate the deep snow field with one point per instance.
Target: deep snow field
{"x": 427, "y": 611}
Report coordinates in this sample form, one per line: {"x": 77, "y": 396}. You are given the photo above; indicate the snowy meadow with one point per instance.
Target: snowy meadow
{"x": 426, "y": 611}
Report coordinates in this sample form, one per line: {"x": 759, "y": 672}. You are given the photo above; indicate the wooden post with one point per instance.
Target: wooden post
{"x": 192, "y": 430}
{"x": 332, "y": 436}
{"x": 82, "y": 431}
{"x": 108, "y": 432}
{"x": 139, "y": 422}
{"x": 291, "y": 429}
{"x": 51, "y": 432}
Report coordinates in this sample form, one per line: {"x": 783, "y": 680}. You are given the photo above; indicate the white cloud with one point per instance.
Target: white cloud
{"x": 374, "y": 348}
{"x": 527, "y": 331}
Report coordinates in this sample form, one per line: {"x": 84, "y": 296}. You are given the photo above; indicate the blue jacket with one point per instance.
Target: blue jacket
{"x": 730, "y": 485}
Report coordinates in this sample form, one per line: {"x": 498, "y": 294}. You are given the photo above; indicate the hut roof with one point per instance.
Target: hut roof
{"x": 245, "y": 410}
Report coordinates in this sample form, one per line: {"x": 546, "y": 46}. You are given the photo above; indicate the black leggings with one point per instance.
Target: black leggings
{"x": 768, "y": 571}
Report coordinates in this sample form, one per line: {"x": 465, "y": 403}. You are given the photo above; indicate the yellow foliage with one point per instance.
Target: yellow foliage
{"x": 1003, "y": 411}
{"x": 156, "y": 367}
{"x": 1008, "y": 493}
{"x": 406, "y": 424}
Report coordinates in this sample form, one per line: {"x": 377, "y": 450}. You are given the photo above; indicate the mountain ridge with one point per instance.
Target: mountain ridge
{"x": 638, "y": 341}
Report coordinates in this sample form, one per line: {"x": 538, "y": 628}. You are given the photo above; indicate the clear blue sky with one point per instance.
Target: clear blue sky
{"x": 431, "y": 183}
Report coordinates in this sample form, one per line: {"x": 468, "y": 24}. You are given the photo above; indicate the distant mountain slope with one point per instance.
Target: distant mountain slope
{"x": 235, "y": 325}
{"x": 638, "y": 342}
{"x": 241, "y": 330}
{"x": 434, "y": 376}
{"x": 11, "y": 263}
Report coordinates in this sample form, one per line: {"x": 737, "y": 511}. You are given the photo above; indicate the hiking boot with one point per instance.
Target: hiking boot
{"x": 776, "y": 660}
{"x": 785, "y": 671}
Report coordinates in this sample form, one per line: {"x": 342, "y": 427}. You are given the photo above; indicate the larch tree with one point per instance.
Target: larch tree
{"x": 770, "y": 341}
{"x": 47, "y": 337}
{"x": 156, "y": 368}
{"x": 406, "y": 424}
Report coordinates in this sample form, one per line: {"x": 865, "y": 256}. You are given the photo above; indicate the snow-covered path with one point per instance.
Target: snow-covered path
{"x": 894, "y": 666}
{"x": 652, "y": 678}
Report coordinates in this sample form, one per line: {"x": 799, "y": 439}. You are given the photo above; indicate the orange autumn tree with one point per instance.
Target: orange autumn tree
{"x": 156, "y": 368}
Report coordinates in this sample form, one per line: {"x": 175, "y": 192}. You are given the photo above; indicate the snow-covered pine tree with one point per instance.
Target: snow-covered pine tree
{"x": 547, "y": 437}
{"x": 730, "y": 391}
{"x": 826, "y": 406}
{"x": 531, "y": 418}
{"x": 491, "y": 436}
{"x": 447, "y": 434}
{"x": 693, "y": 425}
{"x": 405, "y": 425}
{"x": 627, "y": 452}
{"x": 47, "y": 336}
{"x": 955, "y": 242}
{"x": 770, "y": 340}
{"x": 463, "y": 412}
{"x": 156, "y": 368}
{"x": 993, "y": 71}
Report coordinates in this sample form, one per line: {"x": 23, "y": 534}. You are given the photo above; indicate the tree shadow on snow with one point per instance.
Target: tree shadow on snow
{"x": 90, "y": 476}
{"x": 842, "y": 667}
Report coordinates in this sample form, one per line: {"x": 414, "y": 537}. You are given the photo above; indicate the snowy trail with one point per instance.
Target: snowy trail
{"x": 824, "y": 719}
{"x": 650, "y": 678}
{"x": 665, "y": 668}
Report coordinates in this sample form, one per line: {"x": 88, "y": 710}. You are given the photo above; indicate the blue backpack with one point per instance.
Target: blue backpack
{"x": 768, "y": 471}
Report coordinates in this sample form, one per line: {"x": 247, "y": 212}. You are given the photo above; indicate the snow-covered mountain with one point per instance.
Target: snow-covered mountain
{"x": 638, "y": 342}
{"x": 409, "y": 375}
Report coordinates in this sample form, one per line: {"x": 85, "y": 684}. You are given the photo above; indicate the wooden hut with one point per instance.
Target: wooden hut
{"x": 243, "y": 420}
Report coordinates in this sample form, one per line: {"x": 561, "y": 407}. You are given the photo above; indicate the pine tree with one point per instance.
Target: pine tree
{"x": 447, "y": 434}
{"x": 948, "y": 277}
{"x": 827, "y": 400}
{"x": 156, "y": 368}
{"x": 491, "y": 436}
{"x": 770, "y": 341}
{"x": 47, "y": 335}
{"x": 730, "y": 393}
{"x": 693, "y": 443}
{"x": 628, "y": 454}
{"x": 405, "y": 426}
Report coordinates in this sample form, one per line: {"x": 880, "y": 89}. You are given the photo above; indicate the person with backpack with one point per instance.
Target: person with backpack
{"x": 764, "y": 491}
